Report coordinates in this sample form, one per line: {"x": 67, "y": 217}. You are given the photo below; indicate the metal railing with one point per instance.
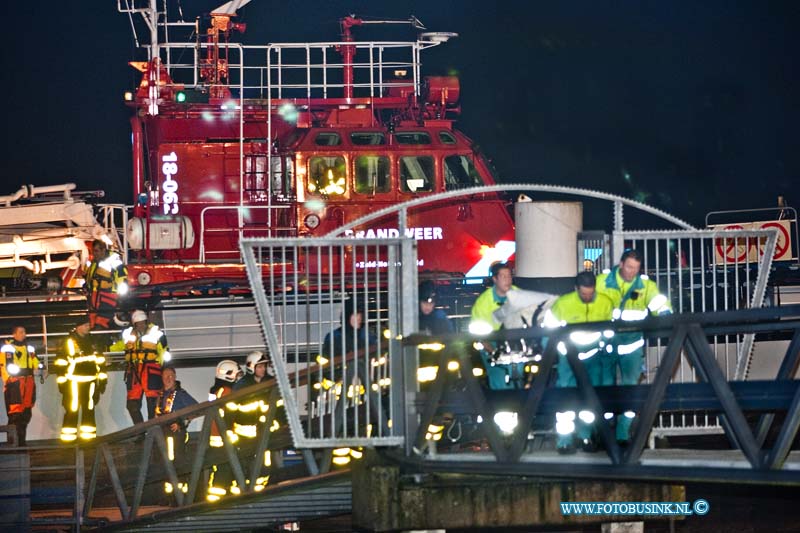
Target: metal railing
{"x": 283, "y": 71}
{"x": 268, "y": 230}
{"x": 114, "y": 218}
{"x": 53, "y": 463}
{"x": 356, "y": 395}
{"x": 700, "y": 271}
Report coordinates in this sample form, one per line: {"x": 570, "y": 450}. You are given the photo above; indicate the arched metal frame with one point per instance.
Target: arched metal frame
{"x": 619, "y": 202}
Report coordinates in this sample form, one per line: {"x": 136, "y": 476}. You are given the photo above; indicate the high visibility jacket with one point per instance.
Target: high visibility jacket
{"x": 18, "y": 362}
{"x": 106, "y": 280}
{"x": 632, "y": 300}
{"x": 249, "y": 411}
{"x": 570, "y": 309}
{"x": 79, "y": 362}
{"x": 218, "y": 390}
{"x": 484, "y": 307}
{"x": 148, "y": 347}
{"x": 144, "y": 354}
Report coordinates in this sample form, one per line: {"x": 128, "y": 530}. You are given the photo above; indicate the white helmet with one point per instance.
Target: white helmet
{"x": 227, "y": 370}
{"x": 138, "y": 316}
{"x": 253, "y": 359}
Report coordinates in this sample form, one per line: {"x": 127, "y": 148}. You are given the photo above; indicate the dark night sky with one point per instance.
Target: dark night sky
{"x": 696, "y": 103}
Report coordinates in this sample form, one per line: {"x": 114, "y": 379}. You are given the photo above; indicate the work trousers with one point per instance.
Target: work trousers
{"x": 630, "y": 370}
{"x": 566, "y": 378}
{"x": 78, "y": 400}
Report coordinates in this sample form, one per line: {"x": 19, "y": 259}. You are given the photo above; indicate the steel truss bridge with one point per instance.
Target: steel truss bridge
{"x": 748, "y": 459}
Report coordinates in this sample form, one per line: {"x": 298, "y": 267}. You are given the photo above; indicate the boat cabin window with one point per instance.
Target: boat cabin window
{"x": 255, "y": 173}
{"x": 328, "y": 138}
{"x": 282, "y": 176}
{"x": 417, "y": 173}
{"x": 369, "y": 138}
{"x": 413, "y": 137}
{"x": 373, "y": 174}
{"x": 327, "y": 175}
{"x": 447, "y": 138}
{"x": 460, "y": 172}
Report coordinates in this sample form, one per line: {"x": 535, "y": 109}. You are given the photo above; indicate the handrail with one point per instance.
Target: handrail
{"x": 239, "y": 209}
{"x": 713, "y": 321}
{"x": 376, "y": 86}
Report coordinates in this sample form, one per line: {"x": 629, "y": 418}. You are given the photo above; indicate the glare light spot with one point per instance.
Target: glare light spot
{"x": 288, "y": 112}
{"x": 506, "y": 421}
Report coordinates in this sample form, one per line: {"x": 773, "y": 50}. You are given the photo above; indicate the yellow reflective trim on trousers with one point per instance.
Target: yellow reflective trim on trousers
{"x": 73, "y": 405}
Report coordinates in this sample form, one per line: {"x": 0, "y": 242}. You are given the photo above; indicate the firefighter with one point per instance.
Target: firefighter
{"x": 253, "y": 374}
{"x": 18, "y": 362}
{"x": 146, "y": 350}
{"x": 174, "y": 398}
{"x": 106, "y": 282}
{"x": 635, "y": 296}
{"x": 221, "y": 478}
{"x": 584, "y": 304}
{"x": 81, "y": 381}
{"x": 252, "y": 410}
{"x": 483, "y": 320}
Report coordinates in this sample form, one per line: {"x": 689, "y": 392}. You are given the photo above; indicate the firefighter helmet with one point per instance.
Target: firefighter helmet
{"x": 138, "y": 316}
{"x": 253, "y": 359}
{"x": 227, "y": 370}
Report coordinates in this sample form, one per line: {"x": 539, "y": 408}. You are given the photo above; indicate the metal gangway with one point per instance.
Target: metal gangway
{"x": 337, "y": 404}
{"x": 117, "y": 482}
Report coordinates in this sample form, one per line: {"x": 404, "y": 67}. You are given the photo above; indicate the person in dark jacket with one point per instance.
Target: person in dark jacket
{"x": 353, "y": 335}
{"x": 174, "y": 398}
{"x": 431, "y": 320}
